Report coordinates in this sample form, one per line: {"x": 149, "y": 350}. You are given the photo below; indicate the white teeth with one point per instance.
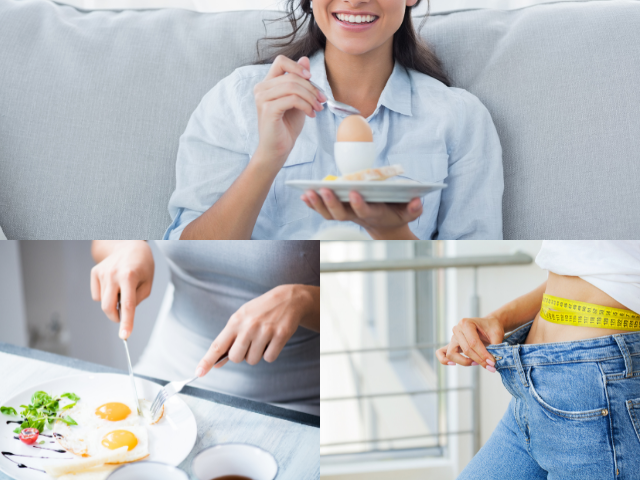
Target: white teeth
{"x": 356, "y": 18}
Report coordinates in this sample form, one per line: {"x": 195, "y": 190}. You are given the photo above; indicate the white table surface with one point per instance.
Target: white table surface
{"x": 294, "y": 442}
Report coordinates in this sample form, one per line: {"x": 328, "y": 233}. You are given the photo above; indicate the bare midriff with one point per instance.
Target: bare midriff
{"x": 571, "y": 288}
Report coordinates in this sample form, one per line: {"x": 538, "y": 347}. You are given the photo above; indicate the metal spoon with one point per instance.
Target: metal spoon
{"x": 342, "y": 107}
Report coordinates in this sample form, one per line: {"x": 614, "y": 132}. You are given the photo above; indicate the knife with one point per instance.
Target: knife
{"x": 126, "y": 348}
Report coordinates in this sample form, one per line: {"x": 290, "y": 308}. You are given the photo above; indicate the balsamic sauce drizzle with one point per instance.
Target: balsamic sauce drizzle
{"x": 22, "y": 465}
{"x": 50, "y": 449}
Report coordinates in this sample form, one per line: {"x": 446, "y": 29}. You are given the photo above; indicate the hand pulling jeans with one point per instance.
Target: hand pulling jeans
{"x": 574, "y": 415}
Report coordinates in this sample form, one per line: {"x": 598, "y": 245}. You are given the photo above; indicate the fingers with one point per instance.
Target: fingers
{"x": 409, "y": 212}
{"x": 128, "y": 302}
{"x": 276, "y": 345}
{"x": 290, "y": 88}
{"x": 221, "y": 364}
{"x": 109, "y": 299}
{"x": 95, "y": 285}
{"x": 282, "y": 65}
{"x": 441, "y": 355}
{"x": 471, "y": 330}
{"x": 453, "y": 354}
{"x": 467, "y": 335}
{"x": 279, "y": 106}
{"x": 257, "y": 349}
{"x": 305, "y": 62}
{"x": 413, "y": 210}
{"x": 361, "y": 208}
{"x": 219, "y": 347}
{"x": 263, "y": 89}
{"x": 313, "y": 200}
{"x": 468, "y": 341}
{"x": 335, "y": 207}
{"x": 240, "y": 347}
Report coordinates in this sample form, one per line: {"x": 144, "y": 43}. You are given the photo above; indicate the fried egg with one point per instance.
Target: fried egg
{"x": 134, "y": 437}
{"x": 101, "y": 418}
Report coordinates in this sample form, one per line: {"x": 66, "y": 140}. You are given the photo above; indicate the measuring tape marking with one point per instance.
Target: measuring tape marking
{"x": 562, "y": 311}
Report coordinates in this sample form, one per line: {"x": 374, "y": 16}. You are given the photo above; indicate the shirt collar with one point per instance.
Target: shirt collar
{"x": 396, "y": 94}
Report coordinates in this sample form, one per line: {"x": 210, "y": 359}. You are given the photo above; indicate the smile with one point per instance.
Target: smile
{"x": 355, "y": 19}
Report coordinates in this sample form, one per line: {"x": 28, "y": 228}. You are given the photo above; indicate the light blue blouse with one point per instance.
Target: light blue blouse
{"x": 437, "y": 133}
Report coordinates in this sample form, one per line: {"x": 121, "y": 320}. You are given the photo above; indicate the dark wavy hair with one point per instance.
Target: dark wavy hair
{"x": 306, "y": 38}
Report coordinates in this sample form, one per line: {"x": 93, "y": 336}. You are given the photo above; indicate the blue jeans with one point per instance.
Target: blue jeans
{"x": 575, "y": 411}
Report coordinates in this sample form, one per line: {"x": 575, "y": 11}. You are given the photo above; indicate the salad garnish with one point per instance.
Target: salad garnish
{"x": 43, "y": 411}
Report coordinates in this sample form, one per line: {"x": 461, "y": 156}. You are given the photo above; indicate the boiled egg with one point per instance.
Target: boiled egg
{"x": 354, "y": 128}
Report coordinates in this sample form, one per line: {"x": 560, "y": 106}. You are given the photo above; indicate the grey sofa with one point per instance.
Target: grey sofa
{"x": 92, "y": 105}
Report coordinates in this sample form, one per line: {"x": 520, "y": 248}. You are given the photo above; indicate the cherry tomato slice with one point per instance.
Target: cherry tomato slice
{"x": 29, "y": 435}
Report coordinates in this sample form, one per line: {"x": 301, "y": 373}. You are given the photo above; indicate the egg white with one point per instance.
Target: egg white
{"x": 76, "y": 438}
{"x": 140, "y": 451}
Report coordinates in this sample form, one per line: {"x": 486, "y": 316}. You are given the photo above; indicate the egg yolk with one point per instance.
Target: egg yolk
{"x": 113, "y": 411}
{"x": 120, "y": 438}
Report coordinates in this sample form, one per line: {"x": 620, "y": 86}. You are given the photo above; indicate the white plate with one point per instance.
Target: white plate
{"x": 388, "y": 191}
{"x": 170, "y": 440}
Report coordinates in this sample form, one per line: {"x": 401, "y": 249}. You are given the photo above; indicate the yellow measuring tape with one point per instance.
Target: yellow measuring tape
{"x": 570, "y": 312}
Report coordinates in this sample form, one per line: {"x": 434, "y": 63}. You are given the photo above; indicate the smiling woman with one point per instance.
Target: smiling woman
{"x": 250, "y": 136}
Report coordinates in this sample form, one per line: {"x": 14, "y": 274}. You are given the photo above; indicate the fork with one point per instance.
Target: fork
{"x": 170, "y": 389}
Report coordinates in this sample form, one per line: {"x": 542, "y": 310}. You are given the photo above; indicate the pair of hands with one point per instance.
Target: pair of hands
{"x": 259, "y": 329}
{"x": 470, "y": 337}
{"x": 283, "y": 99}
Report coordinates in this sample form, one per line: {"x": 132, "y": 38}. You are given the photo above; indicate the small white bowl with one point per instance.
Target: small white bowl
{"x": 354, "y": 156}
{"x": 234, "y": 459}
{"x": 148, "y": 471}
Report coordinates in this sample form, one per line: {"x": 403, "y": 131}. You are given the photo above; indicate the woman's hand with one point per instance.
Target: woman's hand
{"x": 470, "y": 336}
{"x": 383, "y": 221}
{"x": 282, "y": 102}
{"x": 262, "y": 326}
{"x": 128, "y": 270}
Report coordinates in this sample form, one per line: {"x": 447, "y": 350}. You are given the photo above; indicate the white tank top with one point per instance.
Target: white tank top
{"x": 611, "y": 265}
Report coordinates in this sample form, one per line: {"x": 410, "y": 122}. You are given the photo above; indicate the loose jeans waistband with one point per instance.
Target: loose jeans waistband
{"x": 512, "y": 353}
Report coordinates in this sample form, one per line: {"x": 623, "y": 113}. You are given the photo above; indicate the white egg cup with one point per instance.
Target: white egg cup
{"x": 147, "y": 471}
{"x": 354, "y": 156}
{"x": 234, "y": 459}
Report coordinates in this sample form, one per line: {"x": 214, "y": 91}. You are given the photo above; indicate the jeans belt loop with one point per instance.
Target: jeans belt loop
{"x": 628, "y": 362}
{"x": 516, "y": 360}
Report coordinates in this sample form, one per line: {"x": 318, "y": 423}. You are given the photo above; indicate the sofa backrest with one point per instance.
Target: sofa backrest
{"x": 92, "y": 105}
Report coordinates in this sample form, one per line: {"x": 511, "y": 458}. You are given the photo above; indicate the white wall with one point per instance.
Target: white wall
{"x": 13, "y": 319}
{"x": 56, "y": 282}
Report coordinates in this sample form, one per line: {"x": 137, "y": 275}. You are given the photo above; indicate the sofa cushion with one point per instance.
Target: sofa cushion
{"x": 92, "y": 105}
{"x": 561, "y": 83}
